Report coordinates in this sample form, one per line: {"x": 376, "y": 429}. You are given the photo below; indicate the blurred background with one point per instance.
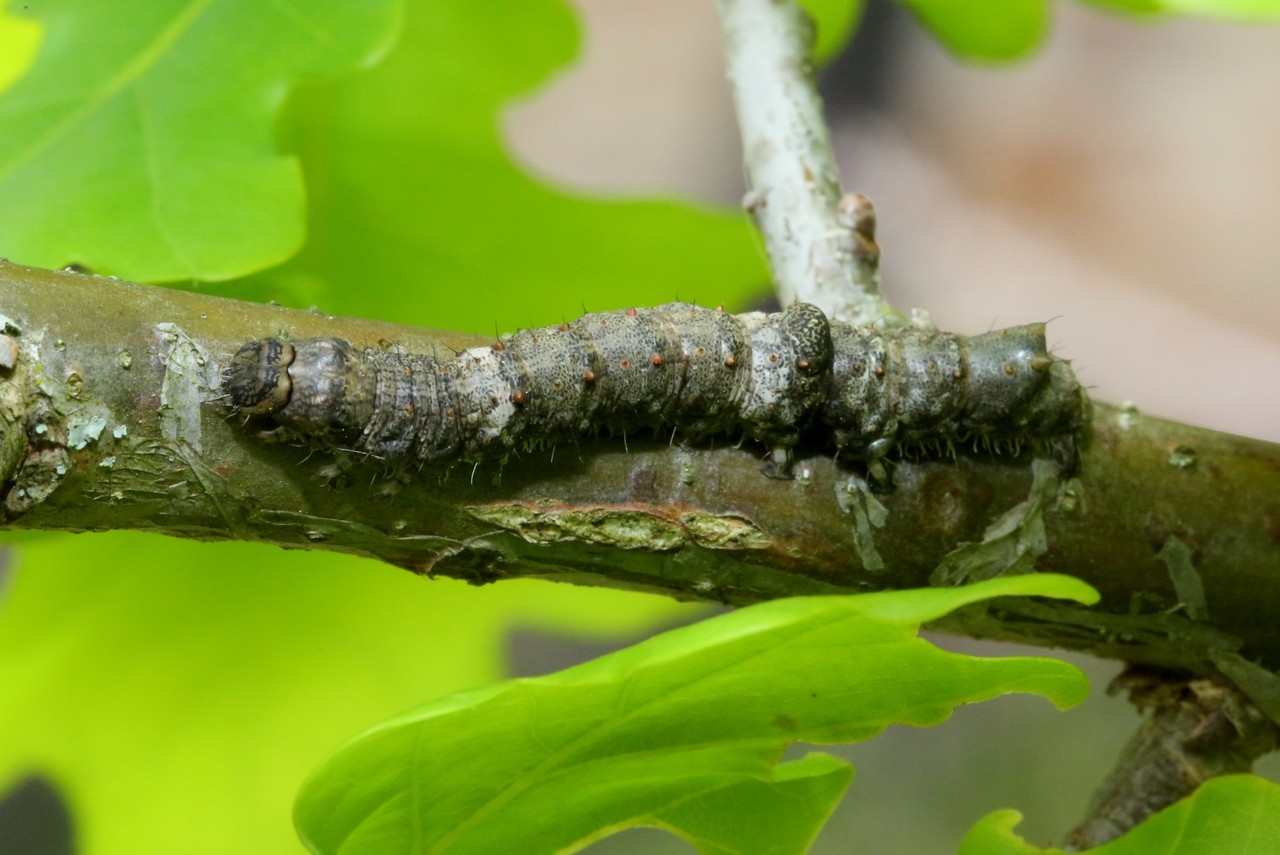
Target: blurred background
{"x": 1123, "y": 182}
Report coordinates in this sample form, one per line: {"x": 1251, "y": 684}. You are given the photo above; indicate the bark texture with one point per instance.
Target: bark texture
{"x": 1196, "y": 729}
{"x": 821, "y": 245}
{"x": 111, "y": 419}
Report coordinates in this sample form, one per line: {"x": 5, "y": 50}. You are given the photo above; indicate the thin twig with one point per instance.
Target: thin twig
{"x": 1199, "y": 728}
{"x": 821, "y": 246}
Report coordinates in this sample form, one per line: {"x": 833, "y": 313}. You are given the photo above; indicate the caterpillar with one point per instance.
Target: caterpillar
{"x": 775, "y": 378}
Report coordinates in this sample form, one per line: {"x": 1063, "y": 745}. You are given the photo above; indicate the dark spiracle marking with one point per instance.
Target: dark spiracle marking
{"x": 775, "y": 378}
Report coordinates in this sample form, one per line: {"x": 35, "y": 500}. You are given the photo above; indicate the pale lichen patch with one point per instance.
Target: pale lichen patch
{"x": 1127, "y": 416}
{"x": 621, "y": 528}
{"x": 1182, "y": 457}
{"x": 624, "y": 528}
{"x": 190, "y": 376}
{"x": 84, "y": 429}
{"x": 725, "y": 531}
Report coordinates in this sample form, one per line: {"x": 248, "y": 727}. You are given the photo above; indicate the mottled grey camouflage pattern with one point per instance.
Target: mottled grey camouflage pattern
{"x": 774, "y": 378}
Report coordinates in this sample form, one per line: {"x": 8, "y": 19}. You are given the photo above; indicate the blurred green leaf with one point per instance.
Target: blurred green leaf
{"x": 993, "y": 30}
{"x": 836, "y": 21}
{"x": 1236, "y": 814}
{"x": 994, "y": 835}
{"x": 1237, "y": 10}
{"x": 1001, "y": 30}
{"x": 418, "y": 213}
{"x": 177, "y": 693}
{"x": 141, "y": 142}
{"x": 19, "y": 39}
{"x": 204, "y": 680}
{"x": 681, "y": 720}
{"x": 1129, "y": 7}
{"x": 1228, "y": 10}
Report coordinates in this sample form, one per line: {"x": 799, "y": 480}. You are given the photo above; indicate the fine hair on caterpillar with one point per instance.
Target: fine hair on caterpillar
{"x": 779, "y": 378}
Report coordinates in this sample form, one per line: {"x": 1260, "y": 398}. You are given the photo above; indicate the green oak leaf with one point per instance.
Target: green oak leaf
{"x": 1003, "y": 30}
{"x": 785, "y": 807}
{"x": 20, "y": 37}
{"x": 992, "y": 30}
{"x": 835, "y": 21}
{"x": 177, "y": 693}
{"x": 419, "y": 214}
{"x": 994, "y": 835}
{"x": 141, "y": 143}
{"x": 1129, "y": 7}
{"x": 1237, "y": 814}
{"x": 1231, "y": 10}
{"x": 683, "y": 722}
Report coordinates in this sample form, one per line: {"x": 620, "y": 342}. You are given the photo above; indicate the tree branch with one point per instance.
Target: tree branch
{"x": 1198, "y": 728}
{"x": 1132, "y": 525}
{"x": 822, "y": 247}
{"x": 110, "y": 420}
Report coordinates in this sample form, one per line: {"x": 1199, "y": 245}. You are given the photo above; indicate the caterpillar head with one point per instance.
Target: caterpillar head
{"x": 316, "y": 386}
{"x": 257, "y": 380}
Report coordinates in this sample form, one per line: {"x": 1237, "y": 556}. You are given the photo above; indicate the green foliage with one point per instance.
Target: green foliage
{"x": 670, "y": 732}
{"x": 418, "y": 213}
{"x": 984, "y": 29}
{"x": 994, "y": 835}
{"x": 1239, "y": 814}
{"x": 140, "y": 141}
{"x": 1227, "y": 10}
{"x": 204, "y": 681}
{"x": 1001, "y": 30}
{"x": 834, "y": 21}
{"x": 20, "y": 38}
{"x": 147, "y": 140}
{"x": 1238, "y": 10}
{"x": 1128, "y": 7}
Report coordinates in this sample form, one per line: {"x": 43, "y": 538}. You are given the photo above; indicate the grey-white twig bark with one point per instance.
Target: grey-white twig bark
{"x": 822, "y": 250}
{"x": 821, "y": 246}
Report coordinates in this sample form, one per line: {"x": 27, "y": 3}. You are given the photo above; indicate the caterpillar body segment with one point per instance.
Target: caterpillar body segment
{"x": 776, "y": 378}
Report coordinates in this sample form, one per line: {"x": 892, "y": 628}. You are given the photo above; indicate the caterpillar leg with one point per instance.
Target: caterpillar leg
{"x": 879, "y": 474}
{"x": 334, "y": 473}
{"x": 274, "y": 435}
